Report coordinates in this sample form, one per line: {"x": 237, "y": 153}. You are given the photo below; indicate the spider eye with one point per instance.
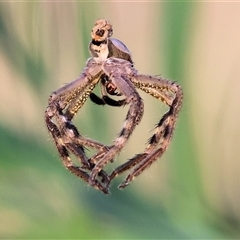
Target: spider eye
{"x": 100, "y": 32}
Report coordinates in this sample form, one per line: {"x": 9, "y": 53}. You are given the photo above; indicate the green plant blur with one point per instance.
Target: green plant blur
{"x": 192, "y": 192}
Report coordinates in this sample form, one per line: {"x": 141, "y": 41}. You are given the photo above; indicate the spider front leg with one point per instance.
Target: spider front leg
{"x": 170, "y": 93}
{"x": 63, "y": 105}
{"x": 120, "y": 71}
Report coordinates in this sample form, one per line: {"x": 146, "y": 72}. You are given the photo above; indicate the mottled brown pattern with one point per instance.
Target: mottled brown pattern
{"x": 111, "y": 66}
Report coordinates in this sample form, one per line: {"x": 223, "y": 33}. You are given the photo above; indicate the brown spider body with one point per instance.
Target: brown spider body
{"x": 103, "y": 46}
{"x": 111, "y": 65}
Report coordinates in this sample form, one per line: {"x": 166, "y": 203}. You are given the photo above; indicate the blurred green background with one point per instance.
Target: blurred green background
{"x": 193, "y": 191}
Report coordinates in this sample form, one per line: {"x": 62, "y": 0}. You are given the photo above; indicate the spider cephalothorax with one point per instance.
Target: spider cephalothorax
{"x": 112, "y": 67}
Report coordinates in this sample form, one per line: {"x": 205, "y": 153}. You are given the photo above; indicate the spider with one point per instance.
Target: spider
{"x": 111, "y": 67}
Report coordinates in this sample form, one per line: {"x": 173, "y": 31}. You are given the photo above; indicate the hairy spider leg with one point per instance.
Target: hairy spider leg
{"x": 71, "y": 97}
{"x": 108, "y": 67}
{"x": 119, "y": 71}
{"x": 63, "y": 105}
{"x": 64, "y": 154}
{"x": 170, "y": 93}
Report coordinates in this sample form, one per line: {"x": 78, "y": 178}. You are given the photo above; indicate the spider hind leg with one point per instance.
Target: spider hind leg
{"x": 170, "y": 93}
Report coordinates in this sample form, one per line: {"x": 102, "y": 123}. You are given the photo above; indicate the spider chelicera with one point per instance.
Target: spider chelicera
{"x": 112, "y": 67}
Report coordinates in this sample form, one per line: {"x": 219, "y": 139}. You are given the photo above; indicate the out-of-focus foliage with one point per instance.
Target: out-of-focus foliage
{"x": 192, "y": 192}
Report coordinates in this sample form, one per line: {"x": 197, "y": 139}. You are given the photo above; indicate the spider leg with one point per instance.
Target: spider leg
{"x": 63, "y": 105}
{"x": 64, "y": 154}
{"x": 119, "y": 71}
{"x": 75, "y": 143}
{"x": 170, "y": 93}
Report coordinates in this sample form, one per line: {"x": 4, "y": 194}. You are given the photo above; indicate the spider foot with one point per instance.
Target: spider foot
{"x": 124, "y": 167}
{"x": 142, "y": 161}
{"x": 95, "y": 174}
{"x": 127, "y": 181}
{"x": 100, "y": 187}
{"x": 102, "y": 175}
{"x": 123, "y": 185}
{"x": 100, "y": 160}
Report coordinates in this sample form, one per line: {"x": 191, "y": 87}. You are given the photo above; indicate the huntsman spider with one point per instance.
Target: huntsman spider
{"x": 111, "y": 67}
